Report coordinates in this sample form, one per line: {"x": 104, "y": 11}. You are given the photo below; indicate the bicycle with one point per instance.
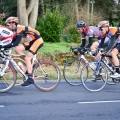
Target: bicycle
{"x": 95, "y": 79}
{"x": 46, "y": 74}
{"x": 72, "y": 68}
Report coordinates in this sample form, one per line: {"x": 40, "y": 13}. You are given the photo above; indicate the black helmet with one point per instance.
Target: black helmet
{"x": 81, "y": 23}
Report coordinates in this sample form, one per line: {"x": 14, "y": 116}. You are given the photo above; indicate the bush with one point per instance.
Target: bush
{"x": 73, "y": 36}
{"x": 2, "y": 22}
{"x": 50, "y": 26}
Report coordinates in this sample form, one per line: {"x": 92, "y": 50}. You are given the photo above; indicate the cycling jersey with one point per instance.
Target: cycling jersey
{"x": 32, "y": 35}
{"x": 6, "y": 35}
{"x": 91, "y": 32}
{"x": 111, "y": 35}
{"x": 27, "y": 32}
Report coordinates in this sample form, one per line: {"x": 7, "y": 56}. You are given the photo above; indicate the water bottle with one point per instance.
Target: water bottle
{"x": 92, "y": 65}
{"x": 20, "y": 65}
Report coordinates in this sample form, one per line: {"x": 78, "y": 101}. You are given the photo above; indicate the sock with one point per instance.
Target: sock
{"x": 29, "y": 75}
{"x": 117, "y": 69}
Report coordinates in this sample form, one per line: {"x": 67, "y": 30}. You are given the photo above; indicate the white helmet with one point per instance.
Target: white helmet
{"x": 103, "y": 23}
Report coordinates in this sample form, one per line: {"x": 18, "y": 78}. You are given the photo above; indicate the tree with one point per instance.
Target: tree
{"x": 28, "y": 12}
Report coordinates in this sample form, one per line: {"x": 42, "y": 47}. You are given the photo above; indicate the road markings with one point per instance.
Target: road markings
{"x": 89, "y": 102}
{"x": 1, "y": 105}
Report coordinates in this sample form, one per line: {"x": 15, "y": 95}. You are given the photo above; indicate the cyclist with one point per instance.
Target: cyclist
{"x": 34, "y": 42}
{"x": 113, "y": 34}
{"x": 6, "y": 35}
{"x": 91, "y": 32}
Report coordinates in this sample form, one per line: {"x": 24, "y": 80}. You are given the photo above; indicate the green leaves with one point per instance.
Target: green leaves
{"x": 50, "y": 26}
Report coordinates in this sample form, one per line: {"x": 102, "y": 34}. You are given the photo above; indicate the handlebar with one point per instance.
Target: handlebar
{"x": 79, "y": 49}
{"x": 72, "y": 49}
{"x": 2, "y": 52}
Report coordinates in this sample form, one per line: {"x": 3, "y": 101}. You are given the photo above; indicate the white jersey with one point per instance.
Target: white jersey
{"x": 6, "y": 35}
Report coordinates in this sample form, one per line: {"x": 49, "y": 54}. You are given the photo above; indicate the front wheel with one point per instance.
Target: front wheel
{"x": 20, "y": 78}
{"x": 93, "y": 80}
{"x": 46, "y": 75}
{"x": 11, "y": 76}
{"x": 71, "y": 71}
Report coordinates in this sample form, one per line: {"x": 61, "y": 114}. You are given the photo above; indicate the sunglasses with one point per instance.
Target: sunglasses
{"x": 78, "y": 29}
{"x": 10, "y": 22}
{"x": 101, "y": 29}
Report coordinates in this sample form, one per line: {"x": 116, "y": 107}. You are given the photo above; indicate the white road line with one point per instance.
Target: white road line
{"x": 1, "y": 105}
{"x": 99, "y": 102}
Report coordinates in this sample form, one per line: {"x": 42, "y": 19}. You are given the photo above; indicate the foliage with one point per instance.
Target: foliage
{"x": 50, "y": 26}
{"x": 73, "y": 36}
{"x": 2, "y": 22}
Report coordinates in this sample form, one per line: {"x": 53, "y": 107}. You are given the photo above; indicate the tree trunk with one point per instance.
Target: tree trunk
{"x": 28, "y": 16}
{"x": 34, "y": 14}
{"x": 42, "y": 7}
{"x": 22, "y": 13}
{"x": 76, "y": 10}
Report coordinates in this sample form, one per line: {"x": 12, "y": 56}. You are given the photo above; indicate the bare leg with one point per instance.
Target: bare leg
{"x": 114, "y": 58}
{"x": 94, "y": 45}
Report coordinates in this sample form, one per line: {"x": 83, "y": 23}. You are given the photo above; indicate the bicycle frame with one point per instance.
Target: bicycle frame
{"x": 105, "y": 63}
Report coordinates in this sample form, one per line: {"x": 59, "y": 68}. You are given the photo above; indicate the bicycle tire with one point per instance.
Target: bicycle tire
{"x": 91, "y": 82}
{"x": 50, "y": 80}
{"x": 71, "y": 71}
{"x": 20, "y": 78}
{"x": 11, "y": 76}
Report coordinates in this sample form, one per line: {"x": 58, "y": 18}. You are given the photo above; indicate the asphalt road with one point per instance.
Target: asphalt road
{"x": 63, "y": 103}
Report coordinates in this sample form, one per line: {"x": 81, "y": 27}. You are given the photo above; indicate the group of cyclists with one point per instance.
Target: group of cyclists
{"x": 107, "y": 37}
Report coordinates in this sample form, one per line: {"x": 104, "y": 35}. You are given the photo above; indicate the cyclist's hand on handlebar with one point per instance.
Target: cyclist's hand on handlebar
{"x": 79, "y": 48}
{"x": 103, "y": 52}
{"x": 75, "y": 53}
{"x": 82, "y": 51}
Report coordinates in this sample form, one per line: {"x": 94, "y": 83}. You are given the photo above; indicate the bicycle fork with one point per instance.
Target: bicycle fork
{"x": 5, "y": 68}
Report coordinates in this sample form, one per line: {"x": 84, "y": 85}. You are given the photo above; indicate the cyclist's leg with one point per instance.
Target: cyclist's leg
{"x": 32, "y": 50}
{"x": 115, "y": 60}
{"x": 94, "y": 45}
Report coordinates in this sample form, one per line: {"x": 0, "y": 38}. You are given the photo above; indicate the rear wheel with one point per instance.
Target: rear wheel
{"x": 46, "y": 75}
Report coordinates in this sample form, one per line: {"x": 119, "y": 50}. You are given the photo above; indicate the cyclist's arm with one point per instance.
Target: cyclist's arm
{"x": 83, "y": 43}
{"x": 101, "y": 43}
{"x": 111, "y": 44}
{"x": 90, "y": 42}
{"x": 14, "y": 42}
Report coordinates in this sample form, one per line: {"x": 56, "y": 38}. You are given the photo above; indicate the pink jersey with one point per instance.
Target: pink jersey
{"x": 92, "y": 31}
{"x": 6, "y": 35}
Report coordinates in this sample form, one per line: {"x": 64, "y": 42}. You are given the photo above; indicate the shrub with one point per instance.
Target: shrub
{"x": 50, "y": 26}
{"x": 73, "y": 36}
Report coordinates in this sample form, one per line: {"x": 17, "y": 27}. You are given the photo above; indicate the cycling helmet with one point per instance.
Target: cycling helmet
{"x": 81, "y": 23}
{"x": 103, "y": 24}
{"x": 12, "y": 19}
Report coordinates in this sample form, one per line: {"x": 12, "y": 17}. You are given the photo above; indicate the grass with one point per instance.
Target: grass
{"x": 56, "y": 47}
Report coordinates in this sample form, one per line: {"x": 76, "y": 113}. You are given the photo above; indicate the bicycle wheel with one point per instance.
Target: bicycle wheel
{"x": 11, "y": 76}
{"x": 20, "y": 78}
{"x": 71, "y": 71}
{"x": 46, "y": 75}
{"x": 91, "y": 80}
